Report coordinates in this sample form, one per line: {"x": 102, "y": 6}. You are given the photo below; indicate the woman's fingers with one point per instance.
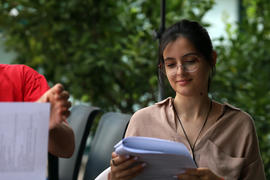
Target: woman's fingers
{"x": 126, "y": 164}
{"x": 125, "y": 167}
{"x": 201, "y": 173}
{"x": 191, "y": 174}
{"x": 117, "y": 159}
{"x": 187, "y": 177}
{"x": 121, "y": 163}
{"x": 198, "y": 171}
{"x": 131, "y": 172}
{"x": 114, "y": 155}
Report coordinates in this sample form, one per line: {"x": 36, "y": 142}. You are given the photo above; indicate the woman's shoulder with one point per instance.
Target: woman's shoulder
{"x": 237, "y": 117}
{"x": 231, "y": 109}
{"x": 154, "y": 108}
{"x": 150, "y": 117}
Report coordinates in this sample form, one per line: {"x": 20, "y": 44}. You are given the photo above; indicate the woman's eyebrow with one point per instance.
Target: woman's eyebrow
{"x": 169, "y": 58}
{"x": 190, "y": 53}
{"x": 187, "y": 54}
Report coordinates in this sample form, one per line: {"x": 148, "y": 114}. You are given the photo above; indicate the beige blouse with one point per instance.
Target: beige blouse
{"x": 229, "y": 147}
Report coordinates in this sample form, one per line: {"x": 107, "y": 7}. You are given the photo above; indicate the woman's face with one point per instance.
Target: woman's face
{"x": 186, "y": 69}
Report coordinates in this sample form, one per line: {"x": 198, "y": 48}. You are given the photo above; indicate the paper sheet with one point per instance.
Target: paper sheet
{"x": 164, "y": 159}
{"x": 24, "y": 140}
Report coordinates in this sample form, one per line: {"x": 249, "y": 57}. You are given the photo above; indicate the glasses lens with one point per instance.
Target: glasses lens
{"x": 190, "y": 63}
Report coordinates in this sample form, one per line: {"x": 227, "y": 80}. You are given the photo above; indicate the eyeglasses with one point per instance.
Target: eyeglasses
{"x": 189, "y": 63}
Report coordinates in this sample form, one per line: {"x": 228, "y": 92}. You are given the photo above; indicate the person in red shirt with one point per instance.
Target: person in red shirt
{"x": 20, "y": 83}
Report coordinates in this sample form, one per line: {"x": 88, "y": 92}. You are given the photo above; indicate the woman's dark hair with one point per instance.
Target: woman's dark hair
{"x": 195, "y": 33}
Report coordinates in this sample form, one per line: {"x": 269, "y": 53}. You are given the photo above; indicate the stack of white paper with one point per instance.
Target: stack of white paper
{"x": 164, "y": 159}
{"x": 23, "y": 140}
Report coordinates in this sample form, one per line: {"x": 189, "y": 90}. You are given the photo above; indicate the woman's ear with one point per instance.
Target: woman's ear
{"x": 214, "y": 57}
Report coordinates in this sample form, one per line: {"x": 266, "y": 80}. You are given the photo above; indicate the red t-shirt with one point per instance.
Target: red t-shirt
{"x": 21, "y": 83}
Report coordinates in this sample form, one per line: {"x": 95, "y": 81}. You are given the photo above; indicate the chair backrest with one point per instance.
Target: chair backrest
{"x": 80, "y": 120}
{"x": 110, "y": 130}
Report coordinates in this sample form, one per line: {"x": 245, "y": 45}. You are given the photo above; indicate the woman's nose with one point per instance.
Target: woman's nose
{"x": 180, "y": 69}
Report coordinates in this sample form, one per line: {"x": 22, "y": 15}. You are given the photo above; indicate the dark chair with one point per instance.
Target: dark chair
{"x": 111, "y": 129}
{"x": 80, "y": 119}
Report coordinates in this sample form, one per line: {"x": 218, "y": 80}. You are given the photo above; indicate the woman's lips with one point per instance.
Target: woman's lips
{"x": 183, "y": 82}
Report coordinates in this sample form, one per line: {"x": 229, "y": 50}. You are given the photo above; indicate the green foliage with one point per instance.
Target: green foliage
{"x": 104, "y": 51}
{"x": 242, "y": 76}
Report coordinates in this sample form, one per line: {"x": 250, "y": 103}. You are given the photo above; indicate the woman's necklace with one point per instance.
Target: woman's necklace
{"x": 194, "y": 144}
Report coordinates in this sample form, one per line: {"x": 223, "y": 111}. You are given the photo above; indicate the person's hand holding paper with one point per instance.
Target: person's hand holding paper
{"x": 164, "y": 159}
{"x": 125, "y": 167}
{"x": 60, "y": 105}
{"x": 61, "y": 136}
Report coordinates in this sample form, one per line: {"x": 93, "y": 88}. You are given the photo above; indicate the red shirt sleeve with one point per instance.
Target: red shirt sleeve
{"x": 20, "y": 83}
{"x": 34, "y": 85}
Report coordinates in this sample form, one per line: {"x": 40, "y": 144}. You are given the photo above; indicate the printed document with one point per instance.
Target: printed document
{"x": 24, "y": 140}
{"x": 164, "y": 159}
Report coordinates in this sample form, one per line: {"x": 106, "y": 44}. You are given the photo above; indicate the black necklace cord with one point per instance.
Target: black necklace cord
{"x": 193, "y": 146}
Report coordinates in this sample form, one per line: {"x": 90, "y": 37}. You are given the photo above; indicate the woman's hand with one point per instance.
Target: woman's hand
{"x": 124, "y": 167}
{"x": 199, "y": 174}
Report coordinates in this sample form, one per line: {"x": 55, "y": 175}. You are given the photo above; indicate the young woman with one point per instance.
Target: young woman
{"x": 221, "y": 138}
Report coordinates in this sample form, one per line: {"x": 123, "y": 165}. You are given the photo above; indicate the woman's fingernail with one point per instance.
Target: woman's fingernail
{"x": 135, "y": 158}
{"x": 127, "y": 156}
{"x": 143, "y": 164}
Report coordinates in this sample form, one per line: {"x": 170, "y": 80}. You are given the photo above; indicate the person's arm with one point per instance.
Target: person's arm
{"x": 254, "y": 168}
{"x": 61, "y": 136}
{"x": 126, "y": 167}
{"x": 61, "y": 141}
{"x": 35, "y": 88}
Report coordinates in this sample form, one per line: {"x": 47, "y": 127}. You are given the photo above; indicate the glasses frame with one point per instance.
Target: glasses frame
{"x": 162, "y": 66}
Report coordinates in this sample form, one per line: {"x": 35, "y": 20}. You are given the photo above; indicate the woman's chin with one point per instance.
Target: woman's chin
{"x": 186, "y": 91}
{"x": 182, "y": 92}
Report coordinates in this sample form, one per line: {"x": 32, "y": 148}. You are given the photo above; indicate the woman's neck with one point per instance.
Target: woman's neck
{"x": 192, "y": 108}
